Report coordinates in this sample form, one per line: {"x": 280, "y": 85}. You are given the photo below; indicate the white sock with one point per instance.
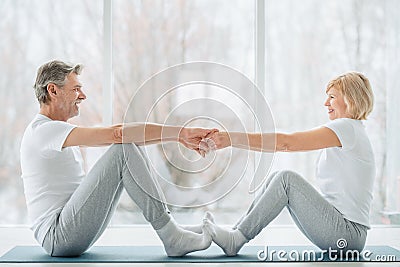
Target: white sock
{"x": 178, "y": 242}
{"x": 231, "y": 241}
{"x": 198, "y": 228}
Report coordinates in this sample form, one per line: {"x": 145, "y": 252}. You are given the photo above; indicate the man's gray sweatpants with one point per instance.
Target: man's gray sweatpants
{"x": 319, "y": 221}
{"x": 88, "y": 212}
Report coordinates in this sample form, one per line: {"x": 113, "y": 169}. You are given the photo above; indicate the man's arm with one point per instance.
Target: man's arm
{"x": 93, "y": 136}
{"x": 148, "y": 133}
{"x": 138, "y": 133}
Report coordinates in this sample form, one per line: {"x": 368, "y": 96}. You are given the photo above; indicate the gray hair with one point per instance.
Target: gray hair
{"x": 55, "y": 72}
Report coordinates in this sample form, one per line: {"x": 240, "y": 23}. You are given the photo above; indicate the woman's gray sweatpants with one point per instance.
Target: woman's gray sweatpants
{"x": 88, "y": 212}
{"x": 319, "y": 221}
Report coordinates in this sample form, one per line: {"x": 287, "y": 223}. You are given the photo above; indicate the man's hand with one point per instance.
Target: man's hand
{"x": 191, "y": 138}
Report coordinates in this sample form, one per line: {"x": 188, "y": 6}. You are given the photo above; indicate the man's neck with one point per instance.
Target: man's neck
{"x": 50, "y": 112}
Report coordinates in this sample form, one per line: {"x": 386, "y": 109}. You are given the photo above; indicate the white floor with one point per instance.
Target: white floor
{"x": 144, "y": 235}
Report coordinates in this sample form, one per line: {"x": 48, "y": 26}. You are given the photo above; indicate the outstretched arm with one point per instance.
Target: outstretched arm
{"x": 138, "y": 133}
{"x": 93, "y": 136}
{"x": 269, "y": 142}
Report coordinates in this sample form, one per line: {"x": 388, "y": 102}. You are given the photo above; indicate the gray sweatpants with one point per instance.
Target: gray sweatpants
{"x": 319, "y": 221}
{"x": 88, "y": 212}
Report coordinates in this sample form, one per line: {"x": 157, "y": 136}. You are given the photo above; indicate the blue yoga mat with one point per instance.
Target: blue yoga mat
{"x": 156, "y": 254}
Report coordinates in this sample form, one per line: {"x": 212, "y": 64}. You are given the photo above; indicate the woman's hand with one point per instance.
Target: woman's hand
{"x": 216, "y": 140}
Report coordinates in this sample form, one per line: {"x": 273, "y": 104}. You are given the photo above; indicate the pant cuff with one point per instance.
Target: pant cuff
{"x": 247, "y": 236}
{"x": 161, "y": 221}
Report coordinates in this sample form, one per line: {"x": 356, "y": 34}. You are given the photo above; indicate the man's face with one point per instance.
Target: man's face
{"x": 71, "y": 95}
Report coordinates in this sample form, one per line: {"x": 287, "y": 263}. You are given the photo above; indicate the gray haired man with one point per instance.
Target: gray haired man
{"x": 70, "y": 209}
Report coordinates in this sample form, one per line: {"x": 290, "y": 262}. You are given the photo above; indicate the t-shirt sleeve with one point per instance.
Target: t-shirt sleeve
{"x": 344, "y": 130}
{"x": 52, "y": 135}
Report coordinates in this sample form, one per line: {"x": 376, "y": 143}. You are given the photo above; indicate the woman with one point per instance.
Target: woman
{"x": 345, "y": 173}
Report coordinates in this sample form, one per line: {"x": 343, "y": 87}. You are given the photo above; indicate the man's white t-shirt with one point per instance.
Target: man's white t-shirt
{"x": 50, "y": 173}
{"x": 346, "y": 174}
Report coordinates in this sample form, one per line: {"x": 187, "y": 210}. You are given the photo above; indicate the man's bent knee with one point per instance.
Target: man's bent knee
{"x": 288, "y": 176}
{"x": 122, "y": 149}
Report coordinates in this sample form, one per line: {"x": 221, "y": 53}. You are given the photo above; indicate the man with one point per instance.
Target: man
{"x": 70, "y": 209}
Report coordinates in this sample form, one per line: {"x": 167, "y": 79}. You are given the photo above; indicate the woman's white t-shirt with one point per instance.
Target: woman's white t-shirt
{"x": 50, "y": 173}
{"x": 346, "y": 174}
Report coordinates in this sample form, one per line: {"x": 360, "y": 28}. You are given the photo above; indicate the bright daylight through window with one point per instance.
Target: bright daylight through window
{"x": 307, "y": 43}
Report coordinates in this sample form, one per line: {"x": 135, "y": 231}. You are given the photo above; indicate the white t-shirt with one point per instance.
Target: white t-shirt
{"x": 346, "y": 174}
{"x": 50, "y": 173}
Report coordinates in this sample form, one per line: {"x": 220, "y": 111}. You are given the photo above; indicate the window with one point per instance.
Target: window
{"x": 150, "y": 36}
{"x": 30, "y": 38}
{"x": 307, "y": 43}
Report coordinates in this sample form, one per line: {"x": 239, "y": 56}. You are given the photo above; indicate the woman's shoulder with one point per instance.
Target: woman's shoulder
{"x": 345, "y": 123}
{"x": 347, "y": 130}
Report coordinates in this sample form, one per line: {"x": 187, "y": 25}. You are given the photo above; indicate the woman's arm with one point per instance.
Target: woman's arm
{"x": 269, "y": 142}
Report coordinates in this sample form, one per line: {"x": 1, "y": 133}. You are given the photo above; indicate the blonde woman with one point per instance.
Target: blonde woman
{"x": 345, "y": 174}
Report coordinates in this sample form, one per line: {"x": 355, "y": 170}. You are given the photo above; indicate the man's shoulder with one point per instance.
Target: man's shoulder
{"x": 45, "y": 127}
{"x": 42, "y": 121}
{"x": 37, "y": 120}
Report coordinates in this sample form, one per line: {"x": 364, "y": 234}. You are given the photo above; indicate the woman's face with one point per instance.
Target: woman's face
{"x": 336, "y": 105}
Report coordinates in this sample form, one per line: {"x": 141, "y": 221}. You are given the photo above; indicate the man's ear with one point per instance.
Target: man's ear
{"x": 52, "y": 90}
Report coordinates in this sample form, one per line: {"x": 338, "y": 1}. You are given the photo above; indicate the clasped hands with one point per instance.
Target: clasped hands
{"x": 203, "y": 140}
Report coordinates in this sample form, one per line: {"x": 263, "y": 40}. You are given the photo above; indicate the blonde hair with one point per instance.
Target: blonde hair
{"x": 357, "y": 94}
